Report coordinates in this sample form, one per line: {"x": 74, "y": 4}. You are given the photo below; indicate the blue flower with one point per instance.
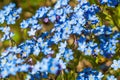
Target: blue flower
{"x": 10, "y": 19}
{"x": 36, "y": 68}
{"x": 44, "y": 64}
{"x": 88, "y": 51}
{"x": 103, "y": 1}
{"x": 77, "y": 29}
{"x": 52, "y": 18}
{"x": 13, "y": 70}
{"x": 62, "y": 64}
{"x": 111, "y": 49}
{"x": 31, "y": 32}
{"x": 68, "y": 9}
{"x": 59, "y": 12}
{"x": 82, "y": 46}
{"x": 4, "y": 73}
{"x": 93, "y": 19}
{"x": 24, "y": 24}
{"x": 53, "y": 69}
{"x": 111, "y": 78}
{"x": 23, "y": 68}
{"x": 51, "y": 13}
{"x": 41, "y": 12}
{"x": 43, "y": 45}
{"x": 36, "y": 50}
{"x": 56, "y": 38}
{"x": 8, "y": 8}
{"x": 96, "y": 50}
{"x": 116, "y": 64}
{"x": 68, "y": 55}
{"x": 26, "y": 50}
{"x": 47, "y": 51}
{"x": 61, "y": 3}
{"x": 63, "y": 18}
{"x": 63, "y": 45}
{"x": 67, "y": 29}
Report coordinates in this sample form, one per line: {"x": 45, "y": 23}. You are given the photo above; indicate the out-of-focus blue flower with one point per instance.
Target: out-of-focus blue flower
{"x": 82, "y": 46}
{"x": 4, "y": 73}
{"x": 68, "y": 55}
{"x": 68, "y": 9}
{"x": 111, "y": 48}
{"x": 77, "y": 29}
{"x": 24, "y": 24}
{"x": 88, "y": 51}
{"x": 47, "y": 51}
{"x": 116, "y": 64}
{"x": 111, "y": 78}
{"x": 36, "y": 68}
{"x": 7, "y": 34}
{"x": 36, "y": 50}
{"x": 61, "y": 3}
{"x": 10, "y": 19}
{"x": 63, "y": 45}
{"x": 56, "y": 38}
{"x": 2, "y": 17}
{"x": 26, "y": 50}
{"x": 59, "y": 12}
{"x": 53, "y": 69}
{"x": 41, "y": 12}
{"x": 31, "y": 32}
{"x": 111, "y": 3}
{"x": 23, "y": 68}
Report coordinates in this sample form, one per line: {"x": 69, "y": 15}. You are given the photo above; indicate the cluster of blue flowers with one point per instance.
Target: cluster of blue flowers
{"x": 105, "y": 44}
{"x": 8, "y": 14}
{"x": 89, "y": 74}
{"x": 67, "y": 21}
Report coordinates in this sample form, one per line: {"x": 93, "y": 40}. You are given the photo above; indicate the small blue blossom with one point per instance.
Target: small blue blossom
{"x": 82, "y": 46}
{"x": 61, "y": 3}
{"x": 31, "y": 32}
{"x": 56, "y": 38}
{"x": 68, "y": 55}
{"x": 53, "y": 69}
{"x": 88, "y": 51}
{"x": 10, "y": 19}
{"x": 41, "y": 12}
{"x": 24, "y": 24}
{"x": 36, "y": 50}
{"x": 111, "y": 78}
{"x": 116, "y": 64}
